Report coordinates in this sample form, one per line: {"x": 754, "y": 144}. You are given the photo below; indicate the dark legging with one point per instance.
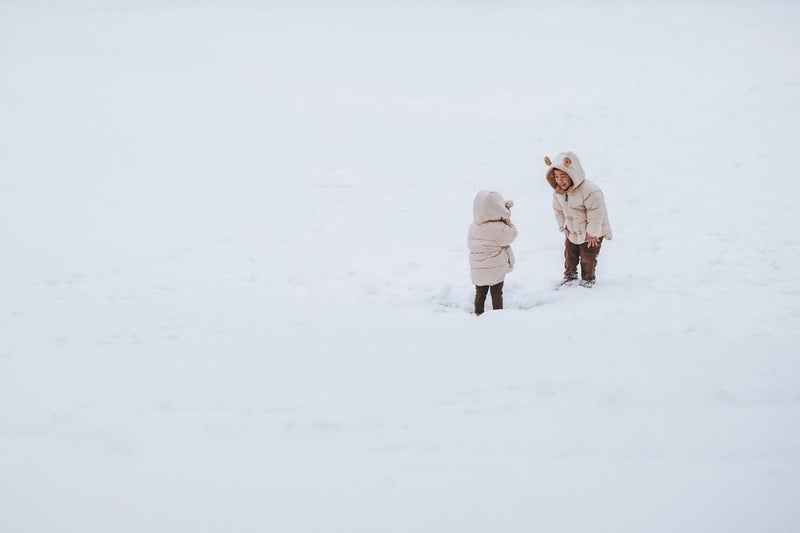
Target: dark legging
{"x": 480, "y": 296}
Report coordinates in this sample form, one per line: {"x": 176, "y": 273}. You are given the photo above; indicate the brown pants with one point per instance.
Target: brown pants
{"x": 575, "y": 253}
{"x": 480, "y": 296}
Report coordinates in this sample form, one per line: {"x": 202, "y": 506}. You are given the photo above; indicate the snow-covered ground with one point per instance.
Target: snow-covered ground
{"x": 235, "y": 294}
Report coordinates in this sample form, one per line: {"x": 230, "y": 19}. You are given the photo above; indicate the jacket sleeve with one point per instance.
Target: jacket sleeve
{"x": 507, "y": 234}
{"x": 595, "y": 212}
{"x": 562, "y": 221}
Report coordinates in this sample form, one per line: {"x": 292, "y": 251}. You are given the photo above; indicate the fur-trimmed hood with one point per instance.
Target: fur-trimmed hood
{"x": 566, "y": 162}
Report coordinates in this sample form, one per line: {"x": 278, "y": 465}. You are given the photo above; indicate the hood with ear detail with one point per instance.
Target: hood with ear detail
{"x": 489, "y": 205}
{"x": 566, "y": 162}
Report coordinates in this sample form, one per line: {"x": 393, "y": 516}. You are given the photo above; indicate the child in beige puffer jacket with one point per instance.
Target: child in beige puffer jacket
{"x": 581, "y": 214}
{"x": 490, "y": 257}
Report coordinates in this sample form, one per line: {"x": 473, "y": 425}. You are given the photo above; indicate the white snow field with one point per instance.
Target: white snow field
{"x": 235, "y": 291}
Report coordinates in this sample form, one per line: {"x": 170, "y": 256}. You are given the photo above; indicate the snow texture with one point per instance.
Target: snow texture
{"x": 235, "y": 289}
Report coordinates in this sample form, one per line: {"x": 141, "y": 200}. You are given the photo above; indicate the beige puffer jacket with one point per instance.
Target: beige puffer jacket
{"x": 581, "y": 209}
{"x": 490, "y": 236}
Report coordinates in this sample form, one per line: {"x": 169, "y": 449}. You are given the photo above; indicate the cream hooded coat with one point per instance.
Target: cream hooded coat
{"x": 581, "y": 209}
{"x": 490, "y": 236}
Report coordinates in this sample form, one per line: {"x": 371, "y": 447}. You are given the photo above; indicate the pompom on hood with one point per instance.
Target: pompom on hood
{"x": 489, "y": 206}
{"x": 566, "y": 162}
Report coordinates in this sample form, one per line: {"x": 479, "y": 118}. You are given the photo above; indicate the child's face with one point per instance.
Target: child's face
{"x": 562, "y": 179}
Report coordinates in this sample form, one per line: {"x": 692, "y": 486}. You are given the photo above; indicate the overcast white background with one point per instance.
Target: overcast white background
{"x": 235, "y": 291}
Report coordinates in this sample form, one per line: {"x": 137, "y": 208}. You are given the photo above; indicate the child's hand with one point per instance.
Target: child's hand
{"x": 593, "y": 242}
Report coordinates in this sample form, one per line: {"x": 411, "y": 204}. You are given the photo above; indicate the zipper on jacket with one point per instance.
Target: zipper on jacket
{"x": 566, "y": 196}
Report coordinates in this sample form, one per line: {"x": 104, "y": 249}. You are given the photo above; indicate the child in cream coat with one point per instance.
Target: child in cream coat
{"x": 581, "y": 214}
{"x": 490, "y": 256}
